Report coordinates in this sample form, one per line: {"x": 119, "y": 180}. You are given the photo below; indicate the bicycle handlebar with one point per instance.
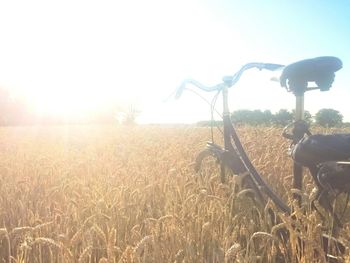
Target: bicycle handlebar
{"x": 198, "y": 85}
{"x": 228, "y": 81}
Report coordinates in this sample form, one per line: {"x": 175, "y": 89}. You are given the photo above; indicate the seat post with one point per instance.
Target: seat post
{"x": 297, "y": 168}
{"x": 299, "y": 107}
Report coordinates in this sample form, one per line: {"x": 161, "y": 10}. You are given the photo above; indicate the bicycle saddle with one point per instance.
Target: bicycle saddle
{"x": 295, "y": 77}
{"x": 319, "y": 148}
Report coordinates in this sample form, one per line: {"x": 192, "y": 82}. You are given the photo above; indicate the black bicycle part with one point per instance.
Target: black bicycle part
{"x": 248, "y": 164}
{"x": 319, "y": 70}
{"x": 332, "y": 178}
{"x": 226, "y": 158}
{"x": 319, "y": 148}
{"x": 234, "y": 157}
{"x": 322, "y": 155}
{"x": 299, "y": 130}
{"x": 258, "y": 185}
{"x": 322, "y": 195}
{"x": 295, "y": 77}
{"x": 231, "y": 160}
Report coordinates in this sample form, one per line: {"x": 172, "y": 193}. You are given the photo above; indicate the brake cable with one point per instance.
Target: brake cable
{"x": 212, "y": 110}
{"x": 205, "y": 100}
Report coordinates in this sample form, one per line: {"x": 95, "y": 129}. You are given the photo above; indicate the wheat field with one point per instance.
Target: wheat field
{"x": 130, "y": 194}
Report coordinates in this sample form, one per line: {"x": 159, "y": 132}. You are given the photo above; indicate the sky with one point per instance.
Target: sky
{"x": 76, "y": 57}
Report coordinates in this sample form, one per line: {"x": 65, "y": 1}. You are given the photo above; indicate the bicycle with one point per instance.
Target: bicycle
{"x": 329, "y": 172}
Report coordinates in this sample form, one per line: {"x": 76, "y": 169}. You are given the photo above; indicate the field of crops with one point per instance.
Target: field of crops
{"x": 117, "y": 194}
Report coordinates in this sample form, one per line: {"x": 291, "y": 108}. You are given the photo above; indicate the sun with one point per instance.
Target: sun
{"x": 68, "y": 103}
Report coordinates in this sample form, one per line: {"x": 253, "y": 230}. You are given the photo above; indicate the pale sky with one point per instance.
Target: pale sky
{"x": 72, "y": 57}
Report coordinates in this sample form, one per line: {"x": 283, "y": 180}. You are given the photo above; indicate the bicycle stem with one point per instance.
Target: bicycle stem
{"x": 226, "y": 115}
{"x": 226, "y": 111}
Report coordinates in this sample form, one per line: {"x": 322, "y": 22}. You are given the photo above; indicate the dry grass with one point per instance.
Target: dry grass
{"x": 109, "y": 194}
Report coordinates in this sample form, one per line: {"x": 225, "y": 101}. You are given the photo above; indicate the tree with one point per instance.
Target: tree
{"x": 307, "y": 116}
{"x": 267, "y": 117}
{"x": 328, "y": 118}
{"x": 242, "y": 116}
{"x": 12, "y": 111}
{"x": 255, "y": 117}
{"x": 128, "y": 116}
{"x": 283, "y": 117}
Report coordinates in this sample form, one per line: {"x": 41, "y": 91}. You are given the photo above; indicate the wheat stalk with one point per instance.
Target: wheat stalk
{"x": 85, "y": 254}
{"x": 4, "y": 233}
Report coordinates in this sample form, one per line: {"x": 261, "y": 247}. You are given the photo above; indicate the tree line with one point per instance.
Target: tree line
{"x": 15, "y": 112}
{"x": 324, "y": 117}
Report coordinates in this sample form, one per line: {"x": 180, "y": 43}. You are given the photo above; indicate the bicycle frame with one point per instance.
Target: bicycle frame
{"x": 233, "y": 154}
{"x": 295, "y": 78}
{"x": 237, "y": 149}
{"x": 229, "y": 135}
